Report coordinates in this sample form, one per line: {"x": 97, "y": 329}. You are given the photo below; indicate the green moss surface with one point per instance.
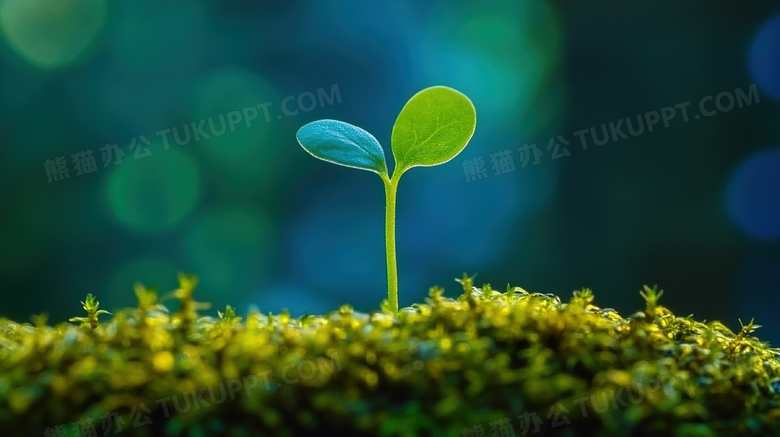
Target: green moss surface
{"x": 487, "y": 363}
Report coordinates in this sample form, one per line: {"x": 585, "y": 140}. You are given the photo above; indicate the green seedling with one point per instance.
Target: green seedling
{"x": 433, "y": 127}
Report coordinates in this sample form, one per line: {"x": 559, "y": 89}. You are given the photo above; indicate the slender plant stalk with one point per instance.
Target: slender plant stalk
{"x": 391, "y": 185}
{"x": 344, "y": 144}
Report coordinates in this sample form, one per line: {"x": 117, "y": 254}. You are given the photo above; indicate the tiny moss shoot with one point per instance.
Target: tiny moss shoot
{"x": 433, "y": 127}
{"x": 92, "y": 307}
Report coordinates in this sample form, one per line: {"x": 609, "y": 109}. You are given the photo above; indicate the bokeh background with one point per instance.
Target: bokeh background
{"x": 694, "y": 208}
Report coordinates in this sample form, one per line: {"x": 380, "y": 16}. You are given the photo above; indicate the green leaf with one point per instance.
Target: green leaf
{"x": 344, "y": 144}
{"x": 432, "y": 128}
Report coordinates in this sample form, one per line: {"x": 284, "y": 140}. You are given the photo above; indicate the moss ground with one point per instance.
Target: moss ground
{"x": 488, "y": 363}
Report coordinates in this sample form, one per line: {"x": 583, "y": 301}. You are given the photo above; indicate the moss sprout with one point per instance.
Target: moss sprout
{"x": 92, "y": 307}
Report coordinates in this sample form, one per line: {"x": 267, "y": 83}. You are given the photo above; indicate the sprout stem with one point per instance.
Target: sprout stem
{"x": 391, "y": 185}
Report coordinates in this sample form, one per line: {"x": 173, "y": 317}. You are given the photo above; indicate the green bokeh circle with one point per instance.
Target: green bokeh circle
{"x": 51, "y": 33}
{"x": 155, "y": 193}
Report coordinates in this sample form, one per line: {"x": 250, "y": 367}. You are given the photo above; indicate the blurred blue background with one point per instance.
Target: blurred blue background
{"x": 693, "y": 207}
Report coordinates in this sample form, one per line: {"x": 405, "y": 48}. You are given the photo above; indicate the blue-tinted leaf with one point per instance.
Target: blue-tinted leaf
{"x": 344, "y": 144}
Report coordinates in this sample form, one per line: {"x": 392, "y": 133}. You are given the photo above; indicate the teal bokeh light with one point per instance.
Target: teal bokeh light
{"x": 753, "y": 196}
{"x": 502, "y": 59}
{"x": 51, "y": 33}
{"x": 247, "y": 148}
{"x": 764, "y": 57}
{"x": 155, "y": 193}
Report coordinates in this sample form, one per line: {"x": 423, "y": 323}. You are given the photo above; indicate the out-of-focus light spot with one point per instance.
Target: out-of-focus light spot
{"x": 277, "y": 297}
{"x": 764, "y": 57}
{"x": 240, "y": 137}
{"x": 151, "y": 271}
{"x": 499, "y": 60}
{"x": 757, "y": 293}
{"x": 229, "y": 248}
{"x": 51, "y": 33}
{"x": 156, "y": 192}
{"x": 493, "y": 82}
{"x": 753, "y": 195}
